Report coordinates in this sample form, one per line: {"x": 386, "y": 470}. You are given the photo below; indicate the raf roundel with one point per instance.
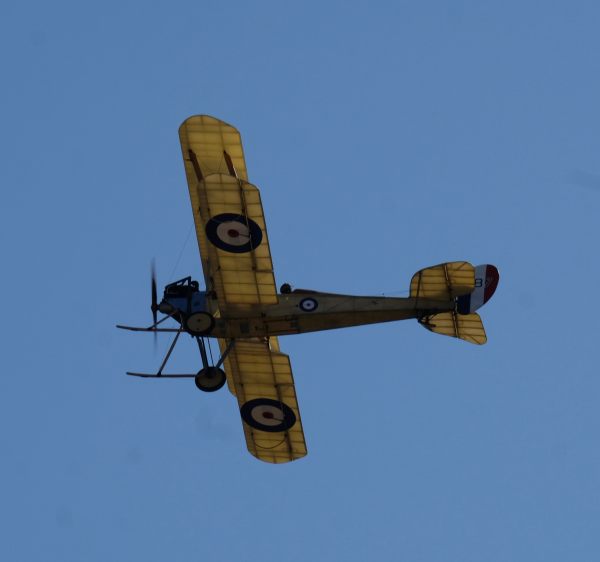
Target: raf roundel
{"x": 268, "y": 415}
{"x": 308, "y": 305}
{"x": 234, "y": 233}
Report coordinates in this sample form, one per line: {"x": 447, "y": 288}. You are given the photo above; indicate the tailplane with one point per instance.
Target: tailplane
{"x": 468, "y": 327}
{"x": 470, "y": 287}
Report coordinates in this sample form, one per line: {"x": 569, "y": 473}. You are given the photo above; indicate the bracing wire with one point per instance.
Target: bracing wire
{"x": 390, "y": 293}
{"x": 182, "y": 250}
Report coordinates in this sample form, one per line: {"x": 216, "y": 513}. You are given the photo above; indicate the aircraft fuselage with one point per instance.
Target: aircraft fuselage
{"x": 312, "y": 312}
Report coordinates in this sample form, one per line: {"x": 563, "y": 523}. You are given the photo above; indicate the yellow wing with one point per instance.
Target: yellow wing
{"x": 208, "y": 138}
{"x": 264, "y": 387}
{"x": 237, "y": 265}
{"x": 230, "y": 225}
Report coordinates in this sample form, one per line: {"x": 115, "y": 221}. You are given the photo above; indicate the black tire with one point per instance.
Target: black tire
{"x": 211, "y": 379}
{"x": 199, "y": 323}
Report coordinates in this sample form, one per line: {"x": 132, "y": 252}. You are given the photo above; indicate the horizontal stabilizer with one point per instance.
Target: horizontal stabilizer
{"x": 468, "y": 327}
{"x": 445, "y": 281}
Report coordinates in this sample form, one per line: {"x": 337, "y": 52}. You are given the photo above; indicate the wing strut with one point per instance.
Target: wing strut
{"x": 230, "y": 166}
{"x": 195, "y": 165}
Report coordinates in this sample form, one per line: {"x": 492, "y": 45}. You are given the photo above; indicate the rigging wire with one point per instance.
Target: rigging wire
{"x": 389, "y": 293}
{"x": 182, "y": 250}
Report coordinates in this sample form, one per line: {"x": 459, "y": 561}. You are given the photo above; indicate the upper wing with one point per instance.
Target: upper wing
{"x": 236, "y": 259}
{"x": 230, "y": 223}
{"x": 264, "y": 387}
{"x": 208, "y": 138}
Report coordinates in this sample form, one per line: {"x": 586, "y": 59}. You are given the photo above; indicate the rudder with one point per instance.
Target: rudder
{"x": 486, "y": 281}
{"x": 470, "y": 287}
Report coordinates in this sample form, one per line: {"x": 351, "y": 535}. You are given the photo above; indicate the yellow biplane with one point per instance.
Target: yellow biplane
{"x": 243, "y": 310}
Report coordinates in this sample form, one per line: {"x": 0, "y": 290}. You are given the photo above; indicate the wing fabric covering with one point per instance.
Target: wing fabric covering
{"x": 238, "y": 271}
{"x": 445, "y": 281}
{"x": 208, "y": 138}
{"x": 258, "y": 371}
{"x": 244, "y": 278}
{"x": 468, "y": 327}
{"x": 236, "y": 278}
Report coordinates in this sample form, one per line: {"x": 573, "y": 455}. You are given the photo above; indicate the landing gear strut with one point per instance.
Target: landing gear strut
{"x": 209, "y": 378}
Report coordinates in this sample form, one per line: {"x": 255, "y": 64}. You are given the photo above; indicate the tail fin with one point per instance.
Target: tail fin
{"x": 470, "y": 286}
{"x": 486, "y": 281}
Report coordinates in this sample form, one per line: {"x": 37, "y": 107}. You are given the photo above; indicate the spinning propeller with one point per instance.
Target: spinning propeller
{"x": 154, "y": 305}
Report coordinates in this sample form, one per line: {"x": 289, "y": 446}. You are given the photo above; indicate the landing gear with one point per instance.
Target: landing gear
{"x": 184, "y": 303}
{"x": 210, "y": 379}
{"x": 199, "y": 323}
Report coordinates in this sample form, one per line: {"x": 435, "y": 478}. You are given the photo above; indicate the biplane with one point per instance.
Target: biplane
{"x": 241, "y": 307}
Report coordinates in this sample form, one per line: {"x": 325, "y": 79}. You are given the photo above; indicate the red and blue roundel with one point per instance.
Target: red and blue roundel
{"x": 268, "y": 415}
{"x": 233, "y": 233}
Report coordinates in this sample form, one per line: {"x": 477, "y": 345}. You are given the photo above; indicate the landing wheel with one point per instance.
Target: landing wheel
{"x": 210, "y": 379}
{"x": 199, "y": 323}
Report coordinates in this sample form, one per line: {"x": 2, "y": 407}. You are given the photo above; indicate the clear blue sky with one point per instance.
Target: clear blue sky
{"x": 385, "y": 137}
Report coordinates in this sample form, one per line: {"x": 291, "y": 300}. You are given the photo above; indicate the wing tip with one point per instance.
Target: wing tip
{"x": 203, "y": 119}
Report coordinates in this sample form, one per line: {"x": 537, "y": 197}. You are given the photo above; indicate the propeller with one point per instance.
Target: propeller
{"x": 154, "y": 305}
